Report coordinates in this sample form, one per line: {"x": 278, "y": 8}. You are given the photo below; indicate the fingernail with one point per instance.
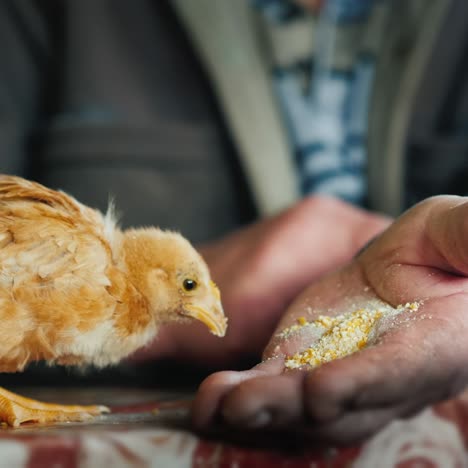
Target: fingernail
{"x": 261, "y": 419}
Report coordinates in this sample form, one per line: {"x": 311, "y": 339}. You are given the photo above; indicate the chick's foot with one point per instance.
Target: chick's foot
{"x": 15, "y": 410}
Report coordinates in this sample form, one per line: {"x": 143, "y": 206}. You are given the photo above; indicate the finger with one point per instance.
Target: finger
{"x": 356, "y": 426}
{"x": 273, "y": 403}
{"x": 405, "y": 364}
{"x": 214, "y": 388}
{"x": 447, "y": 229}
{"x": 423, "y": 254}
{"x": 359, "y": 381}
{"x": 431, "y": 234}
{"x": 265, "y": 401}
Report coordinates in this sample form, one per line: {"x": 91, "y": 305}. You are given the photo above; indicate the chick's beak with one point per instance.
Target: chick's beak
{"x": 210, "y": 312}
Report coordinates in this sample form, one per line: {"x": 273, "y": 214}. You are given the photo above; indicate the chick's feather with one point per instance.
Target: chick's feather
{"x": 63, "y": 297}
{"x": 75, "y": 289}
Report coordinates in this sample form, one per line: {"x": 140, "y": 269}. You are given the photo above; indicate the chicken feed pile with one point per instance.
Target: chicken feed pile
{"x": 343, "y": 334}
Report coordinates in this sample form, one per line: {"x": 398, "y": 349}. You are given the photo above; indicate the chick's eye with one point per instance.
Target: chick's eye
{"x": 189, "y": 284}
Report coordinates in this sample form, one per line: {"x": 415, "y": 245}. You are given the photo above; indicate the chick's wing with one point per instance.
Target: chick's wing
{"x": 54, "y": 254}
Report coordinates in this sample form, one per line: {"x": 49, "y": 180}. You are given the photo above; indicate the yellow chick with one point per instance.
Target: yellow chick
{"x": 76, "y": 290}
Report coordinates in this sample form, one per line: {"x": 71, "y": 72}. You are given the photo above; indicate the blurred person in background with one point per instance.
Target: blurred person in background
{"x": 259, "y": 129}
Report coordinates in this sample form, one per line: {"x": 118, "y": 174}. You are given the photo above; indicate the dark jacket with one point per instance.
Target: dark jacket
{"x": 107, "y": 97}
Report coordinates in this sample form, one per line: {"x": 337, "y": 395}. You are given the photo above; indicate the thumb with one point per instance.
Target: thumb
{"x": 433, "y": 234}
{"x": 422, "y": 255}
{"x": 447, "y": 231}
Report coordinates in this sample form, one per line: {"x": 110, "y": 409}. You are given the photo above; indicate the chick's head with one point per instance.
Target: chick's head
{"x": 174, "y": 278}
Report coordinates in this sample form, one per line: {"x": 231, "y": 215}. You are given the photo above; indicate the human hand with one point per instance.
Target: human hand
{"x": 261, "y": 268}
{"x": 414, "y": 359}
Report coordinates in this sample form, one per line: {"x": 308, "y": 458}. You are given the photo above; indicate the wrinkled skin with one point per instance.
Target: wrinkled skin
{"x": 418, "y": 360}
{"x": 260, "y": 270}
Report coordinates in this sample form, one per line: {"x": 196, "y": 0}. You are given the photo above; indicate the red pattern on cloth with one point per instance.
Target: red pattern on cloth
{"x": 157, "y": 434}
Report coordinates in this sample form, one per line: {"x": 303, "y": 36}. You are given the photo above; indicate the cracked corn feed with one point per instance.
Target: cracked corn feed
{"x": 342, "y": 335}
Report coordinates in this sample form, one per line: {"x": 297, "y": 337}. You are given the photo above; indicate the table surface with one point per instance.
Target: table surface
{"x": 151, "y": 427}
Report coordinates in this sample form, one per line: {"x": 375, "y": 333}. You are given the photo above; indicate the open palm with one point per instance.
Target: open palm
{"x": 418, "y": 358}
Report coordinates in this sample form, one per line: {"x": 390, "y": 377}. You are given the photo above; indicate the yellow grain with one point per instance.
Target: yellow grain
{"x": 341, "y": 335}
{"x": 344, "y": 335}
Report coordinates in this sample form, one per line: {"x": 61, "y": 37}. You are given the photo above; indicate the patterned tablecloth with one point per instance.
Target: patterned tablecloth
{"x": 151, "y": 428}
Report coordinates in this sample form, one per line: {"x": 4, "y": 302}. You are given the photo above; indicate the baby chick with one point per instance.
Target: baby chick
{"x": 76, "y": 290}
